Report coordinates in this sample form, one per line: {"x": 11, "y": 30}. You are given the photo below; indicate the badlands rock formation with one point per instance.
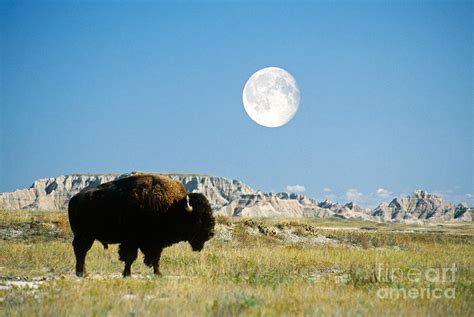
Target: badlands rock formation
{"x": 234, "y": 198}
{"x": 227, "y": 197}
{"x": 51, "y": 193}
{"x": 421, "y": 206}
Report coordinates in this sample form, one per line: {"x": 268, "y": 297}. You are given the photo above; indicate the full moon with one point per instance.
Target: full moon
{"x": 271, "y": 97}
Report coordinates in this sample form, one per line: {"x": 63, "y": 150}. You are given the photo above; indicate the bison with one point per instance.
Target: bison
{"x": 143, "y": 211}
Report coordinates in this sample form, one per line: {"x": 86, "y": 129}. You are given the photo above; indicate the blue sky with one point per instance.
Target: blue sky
{"x": 386, "y": 93}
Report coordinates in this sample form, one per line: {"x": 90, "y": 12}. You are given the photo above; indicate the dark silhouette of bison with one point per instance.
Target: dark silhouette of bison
{"x": 143, "y": 211}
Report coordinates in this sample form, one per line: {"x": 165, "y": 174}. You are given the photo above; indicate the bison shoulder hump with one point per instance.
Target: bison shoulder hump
{"x": 155, "y": 192}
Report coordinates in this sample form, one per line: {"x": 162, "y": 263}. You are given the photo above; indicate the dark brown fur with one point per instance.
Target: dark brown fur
{"x": 145, "y": 212}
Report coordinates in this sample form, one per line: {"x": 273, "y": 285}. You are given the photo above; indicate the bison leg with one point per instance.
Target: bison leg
{"x": 81, "y": 246}
{"x": 128, "y": 254}
{"x": 152, "y": 258}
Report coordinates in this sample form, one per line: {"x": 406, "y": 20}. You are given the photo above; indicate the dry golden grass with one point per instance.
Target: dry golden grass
{"x": 256, "y": 273}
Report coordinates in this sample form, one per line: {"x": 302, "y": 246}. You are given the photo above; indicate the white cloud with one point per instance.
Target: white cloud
{"x": 383, "y": 193}
{"x": 468, "y": 195}
{"x": 295, "y": 188}
{"x": 354, "y": 195}
{"x": 327, "y": 190}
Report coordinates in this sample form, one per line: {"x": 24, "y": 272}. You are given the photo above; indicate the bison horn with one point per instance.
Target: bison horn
{"x": 188, "y": 207}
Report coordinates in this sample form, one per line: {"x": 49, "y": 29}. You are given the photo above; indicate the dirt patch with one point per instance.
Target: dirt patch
{"x": 287, "y": 233}
{"x": 31, "y": 231}
{"x": 224, "y": 232}
{"x": 8, "y": 282}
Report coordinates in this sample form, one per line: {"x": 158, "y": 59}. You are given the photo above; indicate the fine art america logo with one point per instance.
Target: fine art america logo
{"x": 435, "y": 280}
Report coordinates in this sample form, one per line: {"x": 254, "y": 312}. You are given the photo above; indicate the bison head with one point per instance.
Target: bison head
{"x": 203, "y": 222}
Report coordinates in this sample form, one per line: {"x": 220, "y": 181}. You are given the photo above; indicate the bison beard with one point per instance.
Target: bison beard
{"x": 146, "y": 212}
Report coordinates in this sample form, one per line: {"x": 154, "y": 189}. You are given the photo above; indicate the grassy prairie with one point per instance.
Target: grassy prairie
{"x": 253, "y": 267}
